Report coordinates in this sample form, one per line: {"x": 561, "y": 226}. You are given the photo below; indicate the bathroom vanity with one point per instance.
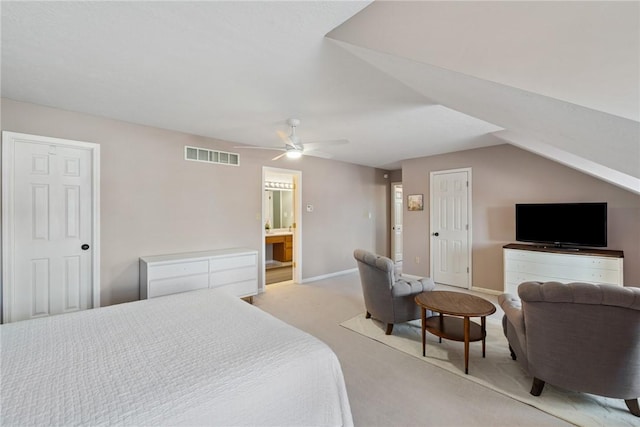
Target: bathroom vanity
{"x": 282, "y": 243}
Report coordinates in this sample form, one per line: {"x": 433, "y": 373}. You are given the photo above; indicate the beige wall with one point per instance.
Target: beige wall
{"x": 502, "y": 176}
{"x": 154, "y": 202}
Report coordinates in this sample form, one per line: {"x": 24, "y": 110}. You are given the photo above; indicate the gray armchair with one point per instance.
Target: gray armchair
{"x": 577, "y": 336}
{"x": 388, "y": 297}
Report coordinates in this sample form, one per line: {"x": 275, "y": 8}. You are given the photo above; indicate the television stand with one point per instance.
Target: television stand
{"x": 523, "y": 263}
{"x": 566, "y": 248}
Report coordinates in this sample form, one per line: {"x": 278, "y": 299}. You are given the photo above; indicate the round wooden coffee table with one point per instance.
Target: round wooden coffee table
{"x": 458, "y": 307}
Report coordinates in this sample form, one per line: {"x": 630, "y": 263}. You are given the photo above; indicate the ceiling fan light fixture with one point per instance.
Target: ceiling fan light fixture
{"x": 294, "y": 154}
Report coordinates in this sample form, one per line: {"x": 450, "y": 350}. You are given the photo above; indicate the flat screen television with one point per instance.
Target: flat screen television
{"x": 562, "y": 224}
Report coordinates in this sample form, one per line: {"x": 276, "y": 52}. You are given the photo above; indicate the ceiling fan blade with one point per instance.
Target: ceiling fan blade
{"x": 316, "y": 153}
{"x": 314, "y": 144}
{"x": 283, "y": 136}
{"x": 279, "y": 156}
{"x": 253, "y": 147}
{"x": 291, "y": 139}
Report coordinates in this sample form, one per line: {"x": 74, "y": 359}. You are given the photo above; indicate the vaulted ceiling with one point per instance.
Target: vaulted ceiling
{"x": 398, "y": 79}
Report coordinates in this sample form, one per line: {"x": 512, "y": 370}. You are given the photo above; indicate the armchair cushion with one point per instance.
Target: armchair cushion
{"x": 404, "y": 286}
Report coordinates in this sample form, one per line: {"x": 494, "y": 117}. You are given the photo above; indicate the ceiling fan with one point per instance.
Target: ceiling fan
{"x": 294, "y": 148}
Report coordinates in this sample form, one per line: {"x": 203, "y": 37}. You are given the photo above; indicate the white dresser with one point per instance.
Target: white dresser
{"x": 524, "y": 263}
{"x": 232, "y": 270}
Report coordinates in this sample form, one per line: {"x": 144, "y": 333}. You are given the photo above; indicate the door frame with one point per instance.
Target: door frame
{"x": 9, "y": 140}
{"x": 469, "y": 218}
{"x": 297, "y": 219}
{"x": 393, "y": 219}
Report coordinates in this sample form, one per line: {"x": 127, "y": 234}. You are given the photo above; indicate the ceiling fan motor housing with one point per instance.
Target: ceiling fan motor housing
{"x": 293, "y": 122}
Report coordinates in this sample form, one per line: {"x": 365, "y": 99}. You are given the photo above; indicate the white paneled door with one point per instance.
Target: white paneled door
{"x": 451, "y": 227}
{"x": 49, "y": 226}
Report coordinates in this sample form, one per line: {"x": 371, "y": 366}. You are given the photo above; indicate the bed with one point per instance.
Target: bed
{"x": 196, "y": 358}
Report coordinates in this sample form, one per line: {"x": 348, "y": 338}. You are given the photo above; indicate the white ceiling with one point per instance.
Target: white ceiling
{"x": 398, "y": 79}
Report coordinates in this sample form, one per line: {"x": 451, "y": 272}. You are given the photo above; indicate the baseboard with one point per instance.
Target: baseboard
{"x": 486, "y": 291}
{"x": 327, "y": 276}
{"x": 475, "y": 289}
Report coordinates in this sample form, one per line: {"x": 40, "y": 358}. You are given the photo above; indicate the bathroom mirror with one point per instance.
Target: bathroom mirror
{"x": 278, "y": 208}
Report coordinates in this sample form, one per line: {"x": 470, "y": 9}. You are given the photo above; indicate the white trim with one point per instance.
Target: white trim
{"x": 470, "y": 220}
{"x": 393, "y": 220}
{"x": 297, "y": 218}
{"x": 7, "y": 219}
{"x": 8, "y": 201}
{"x": 95, "y": 261}
{"x": 330, "y": 275}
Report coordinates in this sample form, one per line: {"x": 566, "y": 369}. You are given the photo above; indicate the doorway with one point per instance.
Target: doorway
{"x": 281, "y": 224}
{"x": 450, "y": 240}
{"x": 50, "y": 226}
{"x": 396, "y": 221}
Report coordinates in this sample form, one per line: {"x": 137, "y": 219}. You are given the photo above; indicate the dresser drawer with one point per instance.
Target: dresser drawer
{"x": 161, "y": 287}
{"x": 517, "y": 278}
{"x": 225, "y": 277}
{"x": 162, "y": 271}
{"x": 563, "y": 272}
{"x": 232, "y": 262}
{"x": 241, "y": 289}
{"x": 576, "y": 261}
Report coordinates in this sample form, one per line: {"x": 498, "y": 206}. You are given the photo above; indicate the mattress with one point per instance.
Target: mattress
{"x": 196, "y": 358}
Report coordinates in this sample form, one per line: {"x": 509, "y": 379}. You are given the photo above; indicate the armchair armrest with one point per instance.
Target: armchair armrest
{"x": 512, "y": 307}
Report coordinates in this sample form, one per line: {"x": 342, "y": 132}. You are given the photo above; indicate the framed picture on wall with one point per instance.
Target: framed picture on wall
{"x": 414, "y": 202}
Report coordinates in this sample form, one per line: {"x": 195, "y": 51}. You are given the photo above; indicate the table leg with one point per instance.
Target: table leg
{"x": 441, "y": 326}
{"x": 483, "y": 320}
{"x": 466, "y": 344}
{"x": 423, "y": 312}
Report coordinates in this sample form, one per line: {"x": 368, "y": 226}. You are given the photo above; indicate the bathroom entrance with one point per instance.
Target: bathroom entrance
{"x": 280, "y": 217}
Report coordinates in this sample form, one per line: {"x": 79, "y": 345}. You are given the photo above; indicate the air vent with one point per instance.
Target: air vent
{"x": 197, "y": 154}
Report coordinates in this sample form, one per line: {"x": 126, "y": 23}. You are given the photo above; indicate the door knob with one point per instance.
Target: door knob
{"x": 436, "y": 234}
{"x": 84, "y": 247}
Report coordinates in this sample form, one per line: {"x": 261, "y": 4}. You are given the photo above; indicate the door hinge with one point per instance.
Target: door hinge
{"x": 466, "y": 227}
{"x": 467, "y": 269}
{"x": 293, "y": 265}
{"x": 293, "y": 225}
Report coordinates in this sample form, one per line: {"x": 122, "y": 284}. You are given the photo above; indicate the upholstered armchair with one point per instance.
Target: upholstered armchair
{"x": 388, "y": 297}
{"x": 577, "y": 336}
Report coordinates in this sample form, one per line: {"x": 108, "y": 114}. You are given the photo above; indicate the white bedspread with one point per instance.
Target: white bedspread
{"x": 197, "y": 358}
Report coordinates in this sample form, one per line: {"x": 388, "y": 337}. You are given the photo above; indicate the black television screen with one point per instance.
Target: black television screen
{"x": 562, "y": 224}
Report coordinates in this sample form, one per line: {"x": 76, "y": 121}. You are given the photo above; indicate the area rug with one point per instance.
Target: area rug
{"x": 497, "y": 371}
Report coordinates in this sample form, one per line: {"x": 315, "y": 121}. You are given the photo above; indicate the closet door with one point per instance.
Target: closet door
{"x": 450, "y": 231}
{"x": 51, "y": 228}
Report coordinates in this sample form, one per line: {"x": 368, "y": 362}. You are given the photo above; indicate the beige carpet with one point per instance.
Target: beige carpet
{"x": 498, "y": 372}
